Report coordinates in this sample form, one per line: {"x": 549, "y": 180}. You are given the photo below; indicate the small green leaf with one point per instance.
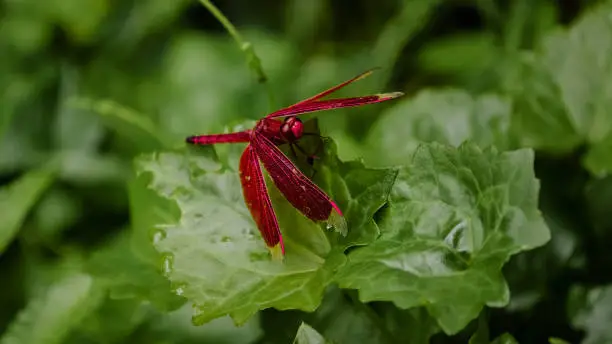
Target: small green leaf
{"x": 17, "y": 198}
{"x": 591, "y": 311}
{"x": 50, "y": 316}
{"x": 448, "y": 116}
{"x": 138, "y": 128}
{"x": 214, "y": 254}
{"x": 481, "y": 336}
{"x": 456, "y": 215}
{"x": 127, "y": 277}
{"x": 505, "y": 338}
{"x": 553, "y": 340}
{"x": 308, "y": 335}
{"x": 359, "y": 191}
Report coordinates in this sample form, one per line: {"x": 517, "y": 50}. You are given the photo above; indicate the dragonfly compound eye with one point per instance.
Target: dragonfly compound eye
{"x": 297, "y": 128}
{"x": 292, "y": 128}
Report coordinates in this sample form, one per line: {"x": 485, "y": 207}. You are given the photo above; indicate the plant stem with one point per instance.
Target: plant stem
{"x": 252, "y": 59}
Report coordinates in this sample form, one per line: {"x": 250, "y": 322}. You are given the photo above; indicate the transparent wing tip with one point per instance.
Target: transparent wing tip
{"x": 336, "y": 220}
{"x": 390, "y": 95}
{"x": 277, "y": 252}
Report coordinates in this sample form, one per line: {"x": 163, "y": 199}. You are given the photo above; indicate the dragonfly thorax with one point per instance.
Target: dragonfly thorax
{"x": 292, "y": 129}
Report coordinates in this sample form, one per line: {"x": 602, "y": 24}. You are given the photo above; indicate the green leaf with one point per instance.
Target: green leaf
{"x": 536, "y": 104}
{"x": 598, "y": 159}
{"x": 175, "y": 327}
{"x": 481, "y": 336}
{"x": 138, "y": 128}
{"x": 74, "y": 129}
{"x": 341, "y": 318}
{"x": 80, "y": 19}
{"x": 505, "y": 338}
{"x": 471, "y": 52}
{"x": 308, "y": 335}
{"x": 17, "y": 198}
{"x": 147, "y": 210}
{"x": 214, "y": 255}
{"x": 456, "y": 215}
{"x": 114, "y": 320}
{"x": 127, "y": 277}
{"x": 359, "y": 191}
{"x": 56, "y": 211}
{"x": 448, "y": 116}
{"x": 578, "y": 61}
{"x": 50, "y": 316}
{"x": 591, "y": 311}
{"x": 553, "y": 340}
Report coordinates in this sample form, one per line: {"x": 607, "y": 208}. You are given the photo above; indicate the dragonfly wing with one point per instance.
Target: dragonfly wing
{"x": 302, "y": 193}
{"x": 320, "y": 105}
{"x": 258, "y": 201}
{"x": 333, "y": 89}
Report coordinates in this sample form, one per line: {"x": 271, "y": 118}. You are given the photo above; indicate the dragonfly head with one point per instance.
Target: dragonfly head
{"x": 292, "y": 129}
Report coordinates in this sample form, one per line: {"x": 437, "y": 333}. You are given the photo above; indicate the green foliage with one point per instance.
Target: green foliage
{"x": 50, "y": 316}
{"x": 308, "y": 335}
{"x": 17, "y": 198}
{"x": 478, "y": 205}
{"x": 214, "y": 254}
{"x": 591, "y": 310}
{"x": 455, "y": 217}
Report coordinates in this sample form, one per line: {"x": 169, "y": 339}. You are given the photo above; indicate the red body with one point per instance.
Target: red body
{"x": 263, "y": 139}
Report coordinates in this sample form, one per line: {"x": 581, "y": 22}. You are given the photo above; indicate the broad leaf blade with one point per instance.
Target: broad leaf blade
{"x": 455, "y": 218}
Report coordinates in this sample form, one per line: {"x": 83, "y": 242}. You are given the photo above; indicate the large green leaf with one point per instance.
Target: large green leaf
{"x": 214, "y": 255}
{"x": 17, "y": 198}
{"x": 456, "y": 216}
{"x": 50, "y": 316}
{"x": 448, "y": 116}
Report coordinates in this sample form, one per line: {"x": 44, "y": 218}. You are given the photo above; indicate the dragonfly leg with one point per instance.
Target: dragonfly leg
{"x": 310, "y": 158}
{"x": 316, "y": 134}
{"x": 293, "y": 151}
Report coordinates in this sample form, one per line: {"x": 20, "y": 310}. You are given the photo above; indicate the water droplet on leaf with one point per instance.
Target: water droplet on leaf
{"x": 167, "y": 264}
{"x": 179, "y": 291}
{"x": 158, "y": 236}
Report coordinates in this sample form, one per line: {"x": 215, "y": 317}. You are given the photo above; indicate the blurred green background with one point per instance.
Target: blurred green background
{"x": 87, "y": 85}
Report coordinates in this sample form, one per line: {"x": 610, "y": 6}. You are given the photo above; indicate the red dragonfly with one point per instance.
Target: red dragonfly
{"x": 270, "y": 132}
